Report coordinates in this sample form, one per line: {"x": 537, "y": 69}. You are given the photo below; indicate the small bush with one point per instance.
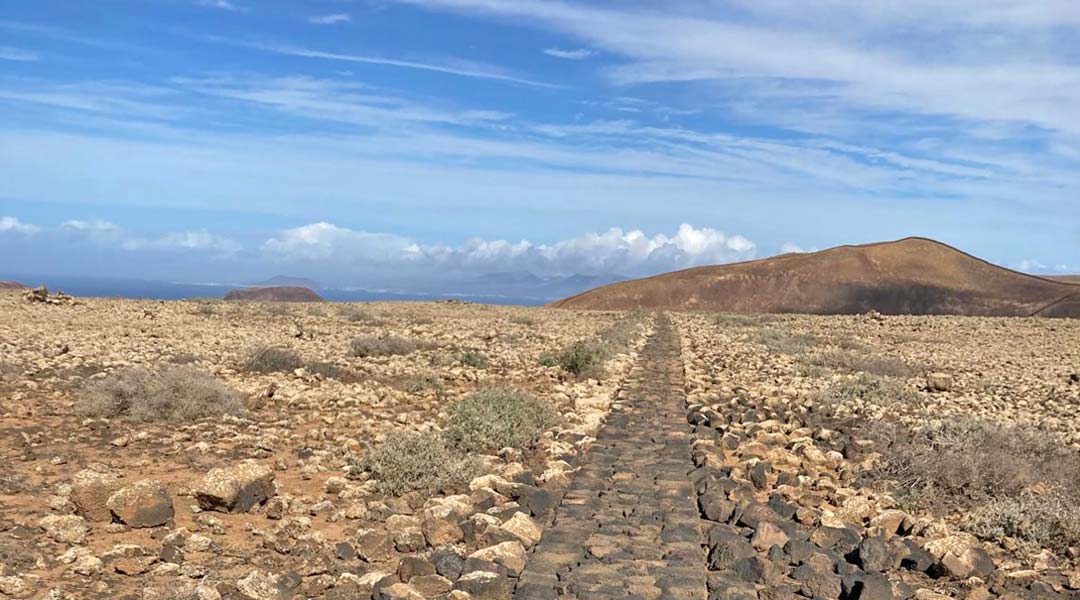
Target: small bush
{"x": 884, "y": 366}
{"x": 273, "y": 359}
{"x": 492, "y": 419}
{"x": 866, "y": 389}
{"x": 368, "y": 346}
{"x": 522, "y": 320}
{"x": 167, "y": 394}
{"x": 184, "y": 358}
{"x": 784, "y": 342}
{"x": 325, "y": 369}
{"x": 741, "y": 320}
{"x": 583, "y": 358}
{"x": 472, "y": 358}
{"x": 422, "y": 383}
{"x": 356, "y": 314}
{"x": 417, "y": 462}
{"x": 962, "y": 463}
{"x": 276, "y": 309}
{"x": 205, "y": 309}
{"x": 1050, "y": 520}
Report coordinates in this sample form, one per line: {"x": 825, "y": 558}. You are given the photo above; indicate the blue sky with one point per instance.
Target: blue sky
{"x": 393, "y": 140}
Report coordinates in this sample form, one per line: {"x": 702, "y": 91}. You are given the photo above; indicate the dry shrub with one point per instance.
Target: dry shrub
{"x": 784, "y": 342}
{"x": 522, "y": 320}
{"x": 273, "y": 359}
{"x": 356, "y": 314}
{"x": 366, "y": 346}
{"x": 865, "y": 390}
{"x": 1050, "y": 519}
{"x": 741, "y": 320}
{"x": 184, "y": 358}
{"x": 473, "y": 358}
{"x": 166, "y": 394}
{"x": 960, "y": 464}
{"x": 408, "y": 462}
{"x": 422, "y": 383}
{"x": 582, "y": 358}
{"x": 326, "y": 369}
{"x": 205, "y": 309}
{"x": 884, "y": 366}
{"x": 492, "y": 419}
{"x": 276, "y": 309}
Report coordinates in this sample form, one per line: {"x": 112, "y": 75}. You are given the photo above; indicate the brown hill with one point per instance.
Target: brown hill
{"x": 10, "y": 286}
{"x": 1073, "y": 279}
{"x": 908, "y": 276}
{"x": 274, "y": 294}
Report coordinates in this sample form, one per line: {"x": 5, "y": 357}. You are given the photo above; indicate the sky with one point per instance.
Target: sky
{"x": 388, "y": 142}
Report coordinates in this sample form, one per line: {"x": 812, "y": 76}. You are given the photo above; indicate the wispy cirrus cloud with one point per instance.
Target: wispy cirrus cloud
{"x": 333, "y": 19}
{"x": 18, "y": 54}
{"x": 222, "y": 5}
{"x": 460, "y": 68}
{"x": 579, "y": 54}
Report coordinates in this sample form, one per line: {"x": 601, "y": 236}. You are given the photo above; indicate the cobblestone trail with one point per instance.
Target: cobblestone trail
{"x": 628, "y": 527}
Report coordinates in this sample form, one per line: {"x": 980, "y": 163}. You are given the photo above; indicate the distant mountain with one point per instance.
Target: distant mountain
{"x": 909, "y": 276}
{"x": 7, "y": 286}
{"x": 528, "y": 285}
{"x": 274, "y": 294}
{"x": 1073, "y": 279}
{"x": 287, "y": 281}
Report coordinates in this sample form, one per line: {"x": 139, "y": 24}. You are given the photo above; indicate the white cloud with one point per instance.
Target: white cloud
{"x": 614, "y": 252}
{"x": 9, "y": 53}
{"x": 13, "y": 225}
{"x": 579, "y": 54}
{"x": 333, "y": 19}
{"x": 221, "y": 4}
{"x": 110, "y": 234}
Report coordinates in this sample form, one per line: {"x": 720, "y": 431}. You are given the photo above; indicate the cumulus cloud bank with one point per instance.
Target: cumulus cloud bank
{"x": 13, "y": 225}
{"x": 614, "y": 252}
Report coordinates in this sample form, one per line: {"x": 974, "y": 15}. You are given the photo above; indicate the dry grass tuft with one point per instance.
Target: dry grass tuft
{"x": 273, "y": 359}
{"x": 166, "y": 394}
{"x": 883, "y": 366}
{"x": 367, "y": 346}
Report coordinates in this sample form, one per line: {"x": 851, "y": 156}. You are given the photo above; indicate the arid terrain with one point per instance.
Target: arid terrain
{"x": 264, "y": 451}
{"x": 915, "y": 276}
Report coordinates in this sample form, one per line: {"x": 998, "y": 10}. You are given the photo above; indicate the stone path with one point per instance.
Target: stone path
{"x": 628, "y": 527}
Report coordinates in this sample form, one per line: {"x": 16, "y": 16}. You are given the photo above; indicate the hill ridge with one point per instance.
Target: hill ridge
{"x": 915, "y": 274}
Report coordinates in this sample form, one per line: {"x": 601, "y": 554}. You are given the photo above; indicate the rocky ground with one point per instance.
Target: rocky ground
{"x": 261, "y": 504}
{"x": 709, "y": 456}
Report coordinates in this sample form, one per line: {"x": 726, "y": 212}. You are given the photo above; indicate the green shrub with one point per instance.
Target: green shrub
{"x": 273, "y": 359}
{"x": 582, "y": 358}
{"x": 167, "y": 394}
{"x": 366, "y": 346}
{"x": 408, "y": 462}
{"x": 472, "y": 358}
{"x": 492, "y": 419}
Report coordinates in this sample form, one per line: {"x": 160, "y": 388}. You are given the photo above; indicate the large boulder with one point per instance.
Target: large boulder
{"x": 144, "y": 503}
{"x": 235, "y": 489}
{"x": 90, "y": 490}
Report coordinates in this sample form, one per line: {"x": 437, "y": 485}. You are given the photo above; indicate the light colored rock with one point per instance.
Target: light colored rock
{"x": 145, "y": 503}
{"x": 90, "y": 490}
{"x": 510, "y": 555}
{"x": 524, "y": 528}
{"x": 237, "y": 488}
{"x": 66, "y": 529}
